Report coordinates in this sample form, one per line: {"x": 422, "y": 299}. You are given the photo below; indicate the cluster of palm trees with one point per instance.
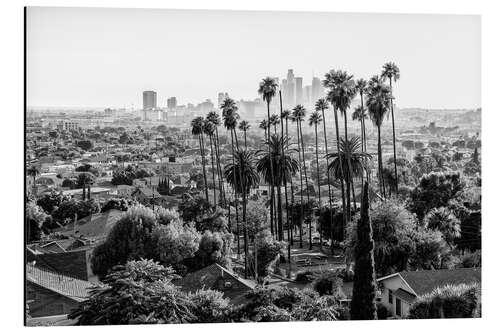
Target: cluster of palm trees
{"x": 277, "y": 164}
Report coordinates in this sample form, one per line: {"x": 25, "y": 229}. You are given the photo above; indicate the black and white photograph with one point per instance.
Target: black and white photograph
{"x": 199, "y": 166}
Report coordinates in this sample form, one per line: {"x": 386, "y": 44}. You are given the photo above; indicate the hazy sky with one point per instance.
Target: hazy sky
{"x": 106, "y": 57}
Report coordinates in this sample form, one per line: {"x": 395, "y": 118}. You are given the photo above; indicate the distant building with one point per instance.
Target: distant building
{"x": 298, "y": 91}
{"x": 149, "y": 100}
{"x": 221, "y": 97}
{"x": 67, "y": 126}
{"x": 317, "y": 89}
{"x": 172, "y": 103}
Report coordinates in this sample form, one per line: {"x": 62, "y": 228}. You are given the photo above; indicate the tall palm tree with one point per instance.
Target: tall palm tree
{"x": 391, "y": 71}
{"x": 267, "y": 89}
{"x": 322, "y": 105}
{"x": 285, "y": 116}
{"x": 378, "y": 101}
{"x": 242, "y": 175}
{"x": 349, "y": 153}
{"x": 314, "y": 119}
{"x": 230, "y": 118}
{"x": 33, "y": 171}
{"x": 282, "y": 163}
{"x": 360, "y": 115}
{"x": 244, "y": 126}
{"x": 299, "y": 114}
{"x": 341, "y": 91}
{"x": 197, "y": 129}
{"x": 275, "y": 120}
{"x": 214, "y": 118}
{"x": 361, "y": 86}
{"x": 209, "y": 130}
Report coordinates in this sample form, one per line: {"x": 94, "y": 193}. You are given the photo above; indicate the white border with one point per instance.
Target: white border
{"x": 11, "y": 102}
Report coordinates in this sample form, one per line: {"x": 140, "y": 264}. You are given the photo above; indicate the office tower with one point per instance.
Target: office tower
{"x": 149, "y": 100}
{"x": 317, "y": 89}
{"x": 172, "y": 103}
{"x": 298, "y": 91}
{"x": 221, "y": 97}
{"x": 307, "y": 95}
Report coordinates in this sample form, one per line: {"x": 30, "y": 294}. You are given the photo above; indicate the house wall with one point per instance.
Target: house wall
{"x": 394, "y": 284}
{"x": 43, "y": 302}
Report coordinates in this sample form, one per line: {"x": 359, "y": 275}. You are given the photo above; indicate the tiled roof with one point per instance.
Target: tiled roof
{"x": 95, "y": 225}
{"x": 423, "y": 282}
{"x": 70, "y": 287}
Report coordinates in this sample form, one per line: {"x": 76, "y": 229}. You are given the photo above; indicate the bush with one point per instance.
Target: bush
{"x": 210, "y": 306}
{"x": 382, "y": 311}
{"x": 305, "y": 277}
{"x": 452, "y": 301}
{"x": 329, "y": 284}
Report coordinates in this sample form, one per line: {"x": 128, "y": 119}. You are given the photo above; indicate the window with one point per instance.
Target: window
{"x": 390, "y": 296}
{"x": 398, "y": 307}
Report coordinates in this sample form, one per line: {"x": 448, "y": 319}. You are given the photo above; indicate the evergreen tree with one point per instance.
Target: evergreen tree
{"x": 363, "y": 294}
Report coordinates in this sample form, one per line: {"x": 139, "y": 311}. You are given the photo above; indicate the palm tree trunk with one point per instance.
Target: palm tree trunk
{"x": 290, "y": 224}
{"x": 349, "y": 173}
{"x": 272, "y": 171}
{"x": 301, "y": 189}
{"x": 341, "y": 172}
{"x": 380, "y": 177}
{"x": 319, "y": 186}
{"x": 245, "y": 227}
{"x": 213, "y": 170}
{"x": 394, "y": 139}
{"x": 235, "y": 202}
{"x": 203, "y": 165}
{"x": 222, "y": 196}
{"x": 307, "y": 185}
{"x": 283, "y": 178}
{"x": 328, "y": 178}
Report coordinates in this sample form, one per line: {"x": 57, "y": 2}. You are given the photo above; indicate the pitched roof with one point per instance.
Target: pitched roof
{"x": 405, "y": 295}
{"x": 95, "y": 225}
{"x": 70, "y": 287}
{"x": 423, "y": 282}
{"x": 207, "y": 278}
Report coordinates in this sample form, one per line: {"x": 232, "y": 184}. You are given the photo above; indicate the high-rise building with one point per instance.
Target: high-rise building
{"x": 307, "y": 95}
{"x": 298, "y": 91}
{"x": 221, "y": 97}
{"x": 149, "y": 100}
{"x": 172, "y": 103}
{"x": 317, "y": 90}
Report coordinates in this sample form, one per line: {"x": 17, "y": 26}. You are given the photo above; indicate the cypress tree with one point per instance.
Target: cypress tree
{"x": 364, "y": 287}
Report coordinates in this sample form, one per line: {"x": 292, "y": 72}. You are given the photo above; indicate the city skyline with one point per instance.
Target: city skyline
{"x": 93, "y": 66}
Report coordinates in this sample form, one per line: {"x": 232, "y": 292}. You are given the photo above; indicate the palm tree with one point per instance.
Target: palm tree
{"x": 197, "y": 129}
{"x": 341, "y": 91}
{"x": 391, "y": 71}
{"x": 285, "y": 116}
{"x": 244, "y": 127}
{"x": 242, "y": 175}
{"x": 322, "y": 105}
{"x": 214, "y": 118}
{"x": 275, "y": 120}
{"x": 284, "y": 166}
{"x": 349, "y": 154}
{"x": 267, "y": 89}
{"x": 360, "y": 115}
{"x": 314, "y": 119}
{"x": 378, "y": 102}
{"x": 33, "y": 171}
{"x": 230, "y": 117}
{"x": 209, "y": 130}
{"x": 263, "y": 125}
{"x": 299, "y": 113}
{"x": 361, "y": 85}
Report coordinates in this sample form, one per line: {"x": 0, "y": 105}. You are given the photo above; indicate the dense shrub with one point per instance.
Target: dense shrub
{"x": 452, "y": 301}
{"x": 305, "y": 277}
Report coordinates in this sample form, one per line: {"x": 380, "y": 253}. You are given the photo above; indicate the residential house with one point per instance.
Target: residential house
{"x": 218, "y": 278}
{"x": 50, "y": 294}
{"x": 399, "y": 291}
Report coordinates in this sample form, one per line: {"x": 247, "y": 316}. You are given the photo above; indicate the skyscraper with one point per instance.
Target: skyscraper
{"x": 149, "y": 100}
{"x": 172, "y": 103}
{"x": 317, "y": 90}
{"x": 298, "y": 91}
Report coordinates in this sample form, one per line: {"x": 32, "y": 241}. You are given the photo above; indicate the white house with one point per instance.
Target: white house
{"x": 399, "y": 291}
